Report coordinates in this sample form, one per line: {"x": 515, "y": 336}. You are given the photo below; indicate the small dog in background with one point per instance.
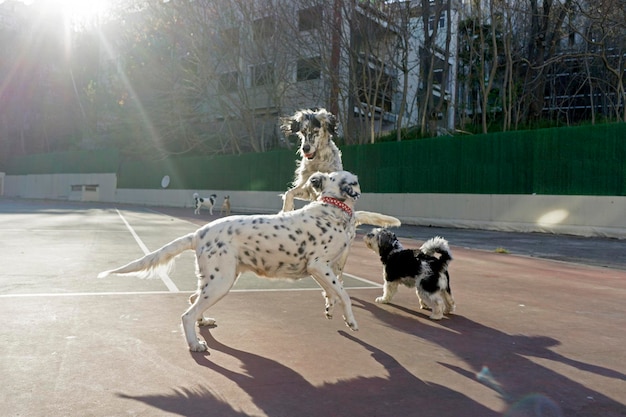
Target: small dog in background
{"x": 225, "y": 206}
{"x": 419, "y": 269}
{"x": 207, "y": 202}
{"x": 315, "y": 128}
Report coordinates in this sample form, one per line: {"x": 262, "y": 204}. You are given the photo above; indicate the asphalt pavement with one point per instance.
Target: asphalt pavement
{"x": 530, "y": 337}
{"x": 595, "y": 251}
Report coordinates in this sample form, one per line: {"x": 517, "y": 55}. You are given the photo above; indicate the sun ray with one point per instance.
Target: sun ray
{"x": 77, "y": 13}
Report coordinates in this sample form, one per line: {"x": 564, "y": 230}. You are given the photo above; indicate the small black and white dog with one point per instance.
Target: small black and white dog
{"x": 419, "y": 269}
{"x": 207, "y": 202}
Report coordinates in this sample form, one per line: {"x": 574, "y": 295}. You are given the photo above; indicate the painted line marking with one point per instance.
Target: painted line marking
{"x": 134, "y": 293}
{"x": 367, "y": 281}
{"x": 160, "y": 273}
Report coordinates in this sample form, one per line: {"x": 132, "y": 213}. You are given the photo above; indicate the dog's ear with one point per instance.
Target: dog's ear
{"x": 331, "y": 124}
{"x": 387, "y": 239}
{"x": 381, "y": 237}
{"x": 349, "y": 186}
{"x": 289, "y": 125}
{"x": 317, "y": 181}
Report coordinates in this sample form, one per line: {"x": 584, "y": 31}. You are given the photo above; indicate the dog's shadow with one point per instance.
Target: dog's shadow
{"x": 279, "y": 390}
{"x": 496, "y": 358}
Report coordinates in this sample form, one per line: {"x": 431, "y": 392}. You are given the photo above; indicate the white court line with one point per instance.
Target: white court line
{"x": 161, "y": 274}
{"x": 134, "y": 293}
{"x": 363, "y": 280}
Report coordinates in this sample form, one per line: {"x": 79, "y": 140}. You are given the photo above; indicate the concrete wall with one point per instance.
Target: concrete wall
{"x": 577, "y": 215}
{"x": 61, "y": 186}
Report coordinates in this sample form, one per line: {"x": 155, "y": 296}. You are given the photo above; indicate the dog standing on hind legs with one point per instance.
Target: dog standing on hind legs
{"x": 419, "y": 269}
{"x": 315, "y": 129}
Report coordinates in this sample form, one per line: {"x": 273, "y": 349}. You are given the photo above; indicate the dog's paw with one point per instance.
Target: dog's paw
{"x": 206, "y": 321}
{"x": 328, "y": 314}
{"x": 436, "y": 316}
{"x": 199, "y": 346}
{"x": 381, "y": 300}
{"x": 352, "y": 325}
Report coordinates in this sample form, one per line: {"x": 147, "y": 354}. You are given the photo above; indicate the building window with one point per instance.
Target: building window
{"x": 228, "y": 82}
{"x": 375, "y": 88}
{"x": 262, "y": 74}
{"x": 263, "y": 28}
{"x": 309, "y": 69}
{"x": 310, "y": 18}
{"x": 431, "y": 22}
{"x": 438, "y": 76}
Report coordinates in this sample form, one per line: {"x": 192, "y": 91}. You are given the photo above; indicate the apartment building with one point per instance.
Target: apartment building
{"x": 361, "y": 59}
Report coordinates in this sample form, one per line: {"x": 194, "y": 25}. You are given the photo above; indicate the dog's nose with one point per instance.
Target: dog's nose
{"x": 306, "y": 148}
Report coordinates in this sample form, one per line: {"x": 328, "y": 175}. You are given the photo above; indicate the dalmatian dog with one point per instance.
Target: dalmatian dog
{"x": 311, "y": 241}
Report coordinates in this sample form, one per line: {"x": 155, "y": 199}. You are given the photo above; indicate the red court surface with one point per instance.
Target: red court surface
{"x": 530, "y": 337}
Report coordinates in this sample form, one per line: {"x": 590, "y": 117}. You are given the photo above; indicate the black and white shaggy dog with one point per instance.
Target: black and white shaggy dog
{"x": 208, "y": 202}
{"x": 313, "y": 240}
{"x": 420, "y": 269}
{"x": 315, "y": 128}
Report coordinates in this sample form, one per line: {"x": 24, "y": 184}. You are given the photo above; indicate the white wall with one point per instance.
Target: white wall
{"x": 59, "y": 186}
{"x": 577, "y": 215}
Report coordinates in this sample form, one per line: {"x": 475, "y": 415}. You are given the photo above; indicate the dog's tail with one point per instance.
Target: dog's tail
{"x": 160, "y": 258}
{"x": 438, "y": 245}
{"x": 375, "y": 219}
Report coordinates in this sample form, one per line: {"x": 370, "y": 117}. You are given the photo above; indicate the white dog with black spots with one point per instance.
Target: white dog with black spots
{"x": 311, "y": 241}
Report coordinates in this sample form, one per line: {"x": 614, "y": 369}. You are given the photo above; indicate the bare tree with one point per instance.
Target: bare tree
{"x": 544, "y": 33}
{"x": 406, "y": 23}
{"x": 481, "y": 35}
{"x": 434, "y": 62}
{"x": 606, "y": 39}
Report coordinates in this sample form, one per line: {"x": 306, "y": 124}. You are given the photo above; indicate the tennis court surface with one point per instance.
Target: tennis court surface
{"x": 530, "y": 337}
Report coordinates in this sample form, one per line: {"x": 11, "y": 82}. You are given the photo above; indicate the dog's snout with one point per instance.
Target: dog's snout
{"x": 306, "y": 148}
{"x": 349, "y": 191}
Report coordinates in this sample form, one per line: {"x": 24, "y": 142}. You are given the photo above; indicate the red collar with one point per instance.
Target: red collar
{"x": 337, "y": 203}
